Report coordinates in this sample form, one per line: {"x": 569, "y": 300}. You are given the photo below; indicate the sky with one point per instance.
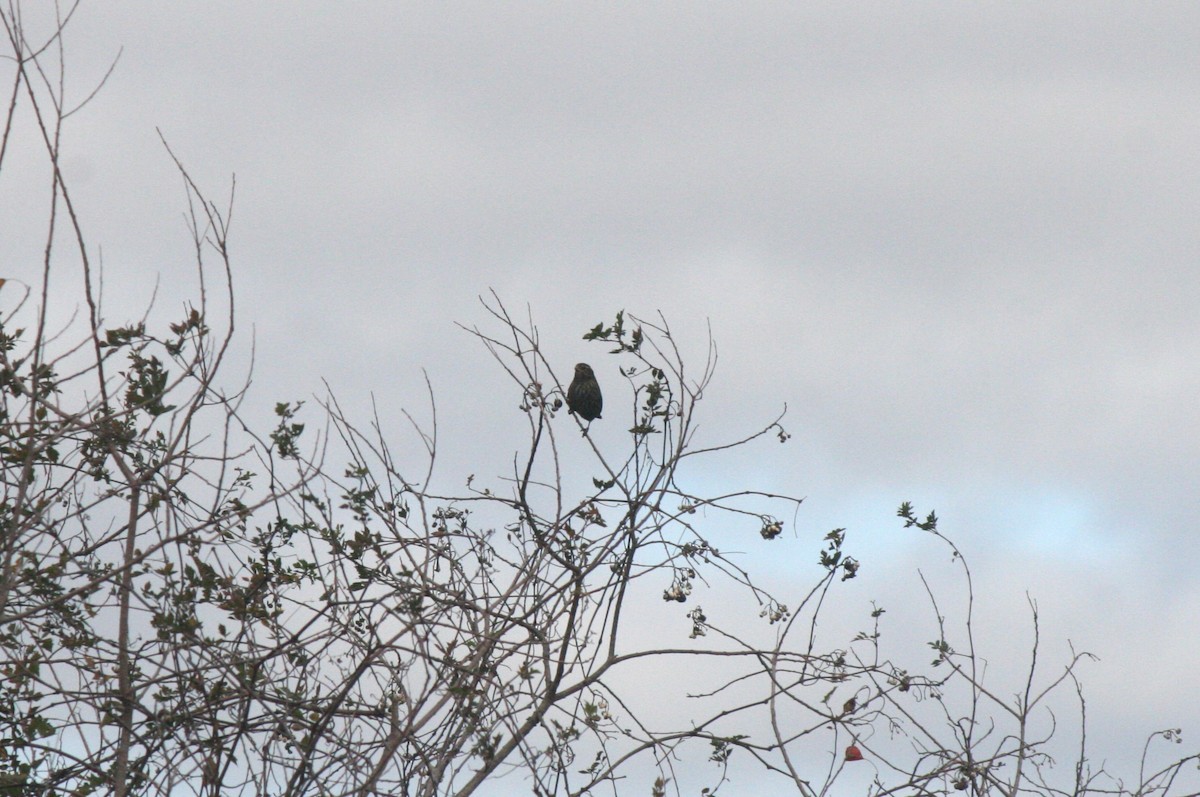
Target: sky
{"x": 958, "y": 241}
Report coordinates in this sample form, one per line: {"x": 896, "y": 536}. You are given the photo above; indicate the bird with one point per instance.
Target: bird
{"x": 583, "y": 396}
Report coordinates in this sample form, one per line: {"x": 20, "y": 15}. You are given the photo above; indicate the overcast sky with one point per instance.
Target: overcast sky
{"x": 960, "y": 241}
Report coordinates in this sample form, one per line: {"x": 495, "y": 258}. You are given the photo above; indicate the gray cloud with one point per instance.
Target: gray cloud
{"x": 959, "y": 242}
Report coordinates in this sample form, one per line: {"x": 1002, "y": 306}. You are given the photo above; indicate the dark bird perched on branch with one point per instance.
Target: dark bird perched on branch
{"x": 583, "y": 396}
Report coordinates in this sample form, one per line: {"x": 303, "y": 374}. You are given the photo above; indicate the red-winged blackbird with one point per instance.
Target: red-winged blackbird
{"x": 583, "y": 396}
